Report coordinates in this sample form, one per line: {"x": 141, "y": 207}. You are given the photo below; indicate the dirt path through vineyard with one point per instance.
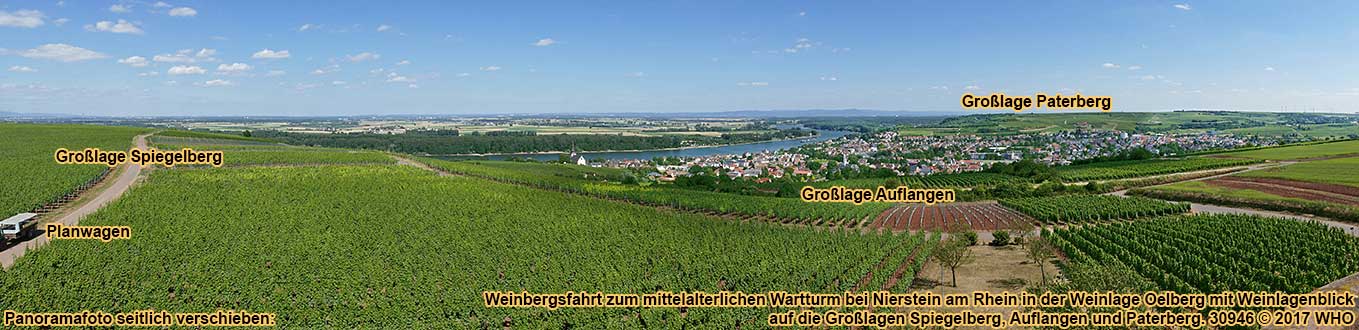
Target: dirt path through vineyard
{"x": 402, "y": 160}
{"x": 104, "y": 192}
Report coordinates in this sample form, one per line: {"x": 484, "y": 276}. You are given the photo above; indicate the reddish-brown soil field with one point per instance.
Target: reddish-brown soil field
{"x": 1331, "y": 188}
{"x": 1291, "y": 189}
{"x": 978, "y": 216}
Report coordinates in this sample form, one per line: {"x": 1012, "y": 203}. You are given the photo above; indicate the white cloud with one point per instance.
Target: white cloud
{"x": 306, "y": 27}
{"x": 364, "y": 56}
{"x": 135, "y": 61}
{"x": 829, "y": 79}
{"x": 490, "y": 68}
{"x": 399, "y": 79}
{"x": 384, "y": 28}
{"x": 234, "y": 67}
{"x": 172, "y": 58}
{"x": 185, "y": 69}
{"x": 338, "y": 82}
{"x": 413, "y": 86}
{"x": 61, "y": 52}
{"x": 271, "y": 54}
{"x": 148, "y": 74}
{"x": 120, "y": 9}
{"x": 637, "y": 74}
{"x": 183, "y": 12}
{"x": 1184, "y": 6}
{"x": 753, "y": 84}
{"x": 1152, "y": 77}
{"x": 218, "y": 83}
{"x": 939, "y": 88}
{"x": 1269, "y": 68}
{"x": 61, "y": 21}
{"x": 1109, "y": 66}
{"x": 275, "y": 73}
{"x": 122, "y": 26}
{"x": 187, "y": 56}
{"x": 404, "y": 62}
{"x": 464, "y": 74}
{"x": 22, "y": 18}
{"x": 971, "y": 87}
{"x": 544, "y": 42}
{"x": 1134, "y": 68}
{"x": 161, "y": 4}
{"x": 802, "y": 13}
{"x": 326, "y": 70}
{"x": 20, "y": 68}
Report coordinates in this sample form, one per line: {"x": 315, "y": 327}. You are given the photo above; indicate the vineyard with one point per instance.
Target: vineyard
{"x": 388, "y": 246}
{"x": 959, "y": 180}
{"x": 1070, "y": 209}
{"x": 977, "y": 216}
{"x": 1141, "y": 168}
{"x": 245, "y": 152}
{"x": 31, "y": 178}
{"x": 1216, "y": 253}
{"x": 782, "y": 210}
{"x": 212, "y": 136}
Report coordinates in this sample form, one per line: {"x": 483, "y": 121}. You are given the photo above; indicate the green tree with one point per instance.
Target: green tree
{"x": 1039, "y": 250}
{"x": 952, "y": 253}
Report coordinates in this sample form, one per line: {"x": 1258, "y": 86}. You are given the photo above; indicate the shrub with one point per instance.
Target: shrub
{"x": 1002, "y": 238}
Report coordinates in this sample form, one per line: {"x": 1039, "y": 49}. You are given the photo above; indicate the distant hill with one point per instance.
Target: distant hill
{"x": 772, "y": 114}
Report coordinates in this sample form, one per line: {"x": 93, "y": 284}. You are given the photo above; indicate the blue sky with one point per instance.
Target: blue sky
{"x": 455, "y": 57}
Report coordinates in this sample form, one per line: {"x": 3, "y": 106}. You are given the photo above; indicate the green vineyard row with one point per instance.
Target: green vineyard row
{"x": 1216, "y": 253}
{"x": 1088, "y": 208}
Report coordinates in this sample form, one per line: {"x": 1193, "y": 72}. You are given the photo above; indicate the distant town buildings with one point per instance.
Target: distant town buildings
{"x": 927, "y": 155}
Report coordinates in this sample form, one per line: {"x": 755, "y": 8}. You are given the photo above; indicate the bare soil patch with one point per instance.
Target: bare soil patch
{"x": 1285, "y": 190}
{"x": 982, "y": 216}
{"x": 1327, "y": 187}
{"x": 995, "y": 269}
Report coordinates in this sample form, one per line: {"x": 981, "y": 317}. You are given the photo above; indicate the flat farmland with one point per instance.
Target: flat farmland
{"x": 977, "y": 216}
{"x": 32, "y": 178}
{"x": 387, "y": 246}
{"x": 1317, "y": 150}
{"x": 1339, "y": 171}
{"x": 1293, "y": 189}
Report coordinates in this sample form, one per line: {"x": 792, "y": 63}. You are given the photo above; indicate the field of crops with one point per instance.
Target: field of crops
{"x": 1215, "y": 253}
{"x": 1340, "y": 171}
{"x": 1140, "y": 168}
{"x": 1088, "y": 208}
{"x": 1315, "y": 150}
{"x": 1268, "y": 199}
{"x": 251, "y": 153}
{"x": 395, "y": 246}
{"x": 558, "y": 177}
{"x": 201, "y": 141}
{"x": 211, "y": 135}
{"x": 976, "y": 216}
{"x": 959, "y": 180}
{"x": 32, "y": 178}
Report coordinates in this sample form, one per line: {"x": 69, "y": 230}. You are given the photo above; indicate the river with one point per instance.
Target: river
{"x": 822, "y": 135}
